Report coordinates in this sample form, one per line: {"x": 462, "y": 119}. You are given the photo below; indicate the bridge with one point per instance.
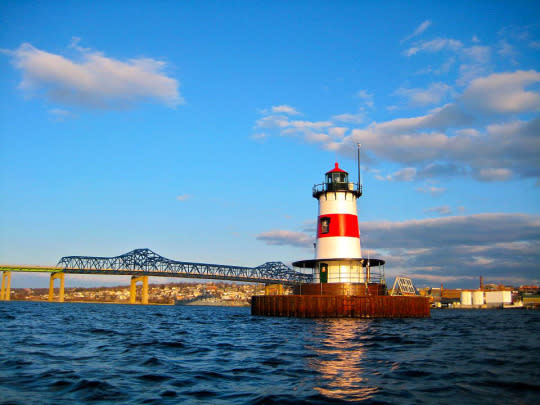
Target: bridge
{"x": 142, "y": 263}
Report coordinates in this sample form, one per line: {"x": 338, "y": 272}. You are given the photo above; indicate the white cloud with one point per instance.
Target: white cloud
{"x": 310, "y": 124}
{"x": 282, "y": 237}
{"x": 183, "y": 197}
{"x": 406, "y": 174}
{"x": 310, "y": 226}
{"x": 435, "y": 45}
{"x": 493, "y": 245}
{"x": 475, "y": 63}
{"x": 506, "y": 50}
{"x": 314, "y": 137}
{"x": 445, "y": 67}
{"x": 441, "y": 118}
{"x": 499, "y": 152}
{"x": 349, "y": 118}
{"x": 366, "y": 98}
{"x": 497, "y": 245}
{"x": 481, "y": 261}
{"x": 260, "y": 135}
{"x": 474, "y": 59}
{"x": 494, "y": 174}
{"x": 59, "y": 115}
{"x": 431, "y": 190}
{"x": 477, "y": 54}
{"x": 312, "y": 131}
{"x": 517, "y": 33}
{"x": 503, "y": 93}
{"x": 337, "y": 132}
{"x": 285, "y": 109}
{"x": 469, "y": 72}
{"x": 434, "y": 94}
{"x": 442, "y": 210}
{"x": 481, "y": 230}
{"x": 435, "y": 153}
{"x": 419, "y": 30}
{"x": 476, "y": 135}
{"x": 94, "y": 80}
{"x": 468, "y": 132}
{"x": 273, "y": 121}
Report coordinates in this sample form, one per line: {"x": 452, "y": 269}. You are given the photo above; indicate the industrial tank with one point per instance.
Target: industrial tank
{"x": 478, "y": 298}
{"x": 498, "y": 297}
{"x": 466, "y": 298}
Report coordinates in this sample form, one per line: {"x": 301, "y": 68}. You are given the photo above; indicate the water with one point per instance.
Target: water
{"x": 69, "y": 353}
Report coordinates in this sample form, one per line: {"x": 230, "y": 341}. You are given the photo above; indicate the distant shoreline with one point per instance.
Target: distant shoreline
{"x": 213, "y": 304}
{"x": 202, "y": 304}
{"x": 89, "y": 302}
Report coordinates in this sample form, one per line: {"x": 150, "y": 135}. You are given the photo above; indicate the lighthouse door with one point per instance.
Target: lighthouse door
{"x": 323, "y": 272}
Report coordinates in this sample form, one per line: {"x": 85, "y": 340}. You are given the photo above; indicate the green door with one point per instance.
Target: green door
{"x": 323, "y": 272}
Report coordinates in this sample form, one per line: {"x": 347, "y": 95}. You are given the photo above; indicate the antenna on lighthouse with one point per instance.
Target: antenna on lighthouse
{"x": 359, "y": 178}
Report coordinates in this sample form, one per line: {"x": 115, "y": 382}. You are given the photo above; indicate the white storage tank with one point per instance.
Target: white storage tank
{"x": 466, "y": 298}
{"x": 478, "y": 298}
{"x": 507, "y": 297}
{"x": 498, "y": 297}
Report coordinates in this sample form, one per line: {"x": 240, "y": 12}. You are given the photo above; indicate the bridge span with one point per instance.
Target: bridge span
{"x": 142, "y": 263}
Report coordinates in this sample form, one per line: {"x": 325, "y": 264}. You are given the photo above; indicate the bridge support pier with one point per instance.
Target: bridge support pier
{"x": 5, "y": 291}
{"x": 59, "y": 275}
{"x": 273, "y": 289}
{"x": 133, "y": 289}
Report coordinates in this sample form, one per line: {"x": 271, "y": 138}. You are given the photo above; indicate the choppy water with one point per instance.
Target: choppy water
{"x": 66, "y": 353}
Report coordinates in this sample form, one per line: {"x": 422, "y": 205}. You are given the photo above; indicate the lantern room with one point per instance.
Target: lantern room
{"x": 337, "y": 179}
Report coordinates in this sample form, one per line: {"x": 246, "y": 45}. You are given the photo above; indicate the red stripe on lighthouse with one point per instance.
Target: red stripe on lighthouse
{"x": 338, "y": 225}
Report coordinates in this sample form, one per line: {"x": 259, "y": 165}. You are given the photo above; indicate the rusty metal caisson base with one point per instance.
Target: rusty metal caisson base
{"x": 309, "y": 305}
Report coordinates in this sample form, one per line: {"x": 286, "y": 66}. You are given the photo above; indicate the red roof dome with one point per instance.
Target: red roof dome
{"x": 336, "y": 169}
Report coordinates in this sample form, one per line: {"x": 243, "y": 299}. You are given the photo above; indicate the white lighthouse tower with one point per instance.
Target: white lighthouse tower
{"x": 337, "y": 230}
{"x": 338, "y": 254}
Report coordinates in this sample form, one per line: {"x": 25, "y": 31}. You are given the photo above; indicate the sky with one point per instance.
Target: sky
{"x": 197, "y": 129}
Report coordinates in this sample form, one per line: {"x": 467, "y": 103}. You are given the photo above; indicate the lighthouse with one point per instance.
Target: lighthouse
{"x": 338, "y": 251}
{"x": 344, "y": 282}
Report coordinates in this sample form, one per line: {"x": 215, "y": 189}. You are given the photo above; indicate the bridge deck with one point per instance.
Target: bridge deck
{"x": 31, "y": 269}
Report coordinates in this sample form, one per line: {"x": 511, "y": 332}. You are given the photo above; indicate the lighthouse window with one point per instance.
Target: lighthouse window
{"x": 325, "y": 225}
{"x": 340, "y": 178}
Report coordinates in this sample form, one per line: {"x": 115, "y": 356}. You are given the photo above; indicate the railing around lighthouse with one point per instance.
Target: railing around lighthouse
{"x": 354, "y": 188}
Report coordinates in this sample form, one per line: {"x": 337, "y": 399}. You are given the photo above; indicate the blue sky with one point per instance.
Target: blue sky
{"x": 197, "y": 129}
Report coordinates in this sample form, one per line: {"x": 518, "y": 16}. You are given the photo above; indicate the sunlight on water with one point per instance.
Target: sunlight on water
{"x": 339, "y": 360}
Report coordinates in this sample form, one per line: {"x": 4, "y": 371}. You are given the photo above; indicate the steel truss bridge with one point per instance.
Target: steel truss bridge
{"x": 144, "y": 262}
